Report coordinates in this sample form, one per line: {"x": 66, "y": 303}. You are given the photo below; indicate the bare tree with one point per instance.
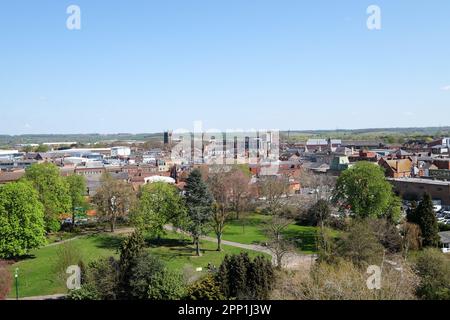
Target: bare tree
{"x": 321, "y": 184}
{"x": 239, "y": 190}
{"x": 114, "y": 199}
{"x": 278, "y": 244}
{"x": 273, "y": 189}
{"x": 411, "y": 237}
{"x": 219, "y": 185}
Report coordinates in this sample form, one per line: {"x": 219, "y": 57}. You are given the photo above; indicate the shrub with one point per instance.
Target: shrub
{"x": 205, "y": 289}
{"x": 360, "y": 245}
{"x": 101, "y": 279}
{"x": 433, "y": 269}
{"x": 67, "y": 255}
{"x": 242, "y": 278}
{"x": 150, "y": 279}
{"x": 344, "y": 281}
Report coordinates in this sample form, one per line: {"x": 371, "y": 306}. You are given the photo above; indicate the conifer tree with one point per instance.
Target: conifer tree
{"x": 427, "y": 221}
{"x": 199, "y": 202}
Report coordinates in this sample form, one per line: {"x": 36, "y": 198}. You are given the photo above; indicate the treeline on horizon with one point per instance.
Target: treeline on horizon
{"x": 388, "y": 135}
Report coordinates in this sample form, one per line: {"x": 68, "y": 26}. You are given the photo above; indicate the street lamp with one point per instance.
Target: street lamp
{"x": 16, "y": 277}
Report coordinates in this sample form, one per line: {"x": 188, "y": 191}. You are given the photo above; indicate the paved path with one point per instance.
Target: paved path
{"x": 117, "y": 231}
{"x": 49, "y": 297}
{"x": 291, "y": 260}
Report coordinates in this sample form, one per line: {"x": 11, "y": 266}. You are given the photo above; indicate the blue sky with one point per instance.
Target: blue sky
{"x": 145, "y": 66}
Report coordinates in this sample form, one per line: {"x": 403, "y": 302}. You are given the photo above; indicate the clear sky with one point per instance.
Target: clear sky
{"x": 145, "y": 66}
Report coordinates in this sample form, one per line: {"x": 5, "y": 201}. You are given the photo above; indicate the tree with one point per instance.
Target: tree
{"x": 364, "y": 190}
{"x": 199, "y": 201}
{"x": 158, "y": 204}
{"x": 426, "y": 219}
{"x": 114, "y": 199}
{"x": 387, "y": 234}
{"x": 321, "y": 184}
{"x": 77, "y": 192}
{"x": 360, "y": 245}
{"x": 273, "y": 189}
{"x": 204, "y": 289}
{"x": 277, "y": 243}
{"x": 42, "y": 148}
{"x": 318, "y": 213}
{"x": 220, "y": 189}
{"x": 411, "y": 237}
{"x": 53, "y": 192}
{"x": 243, "y": 278}
{"x": 239, "y": 190}
{"x": 150, "y": 279}
{"x": 21, "y": 219}
{"x": 433, "y": 269}
{"x": 130, "y": 249}
{"x": 411, "y": 213}
{"x": 100, "y": 281}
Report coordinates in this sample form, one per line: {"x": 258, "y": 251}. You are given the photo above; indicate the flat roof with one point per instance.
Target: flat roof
{"x": 419, "y": 180}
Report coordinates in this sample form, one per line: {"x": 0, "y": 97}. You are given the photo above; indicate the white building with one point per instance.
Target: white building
{"x": 8, "y": 154}
{"x": 159, "y": 179}
{"x": 120, "y": 151}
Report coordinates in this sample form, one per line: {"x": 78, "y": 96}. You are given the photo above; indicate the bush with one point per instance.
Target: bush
{"x": 360, "y": 245}
{"x": 100, "y": 280}
{"x": 387, "y": 234}
{"x": 67, "y": 255}
{"x": 205, "y": 289}
{"x": 344, "y": 281}
{"x": 433, "y": 269}
{"x": 86, "y": 292}
{"x": 242, "y": 278}
{"x": 318, "y": 213}
{"x": 150, "y": 279}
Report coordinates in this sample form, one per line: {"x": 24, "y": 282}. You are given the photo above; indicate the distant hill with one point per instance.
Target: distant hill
{"x": 385, "y": 134}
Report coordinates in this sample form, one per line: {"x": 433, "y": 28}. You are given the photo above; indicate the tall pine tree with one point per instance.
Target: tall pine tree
{"x": 199, "y": 202}
{"x": 426, "y": 219}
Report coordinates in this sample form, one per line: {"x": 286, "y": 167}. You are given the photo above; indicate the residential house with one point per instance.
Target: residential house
{"x": 397, "y": 168}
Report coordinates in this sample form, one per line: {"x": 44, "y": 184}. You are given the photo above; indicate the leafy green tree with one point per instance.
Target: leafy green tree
{"x": 158, "y": 204}
{"x": 77, "y": 192}
{"x": 199, "y": 203}
{"x": 364, "y": 190}
{"x": 21, "y": 219}
{"x": 114, "y": 199}
{"x": 426, "y": 219}
{"x": 433, "y": 269}
{"x": 53, "y": 192}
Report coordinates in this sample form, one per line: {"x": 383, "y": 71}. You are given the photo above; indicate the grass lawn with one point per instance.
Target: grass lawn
{"x": 39, "y": 275}
{"x": 250, "y": 230}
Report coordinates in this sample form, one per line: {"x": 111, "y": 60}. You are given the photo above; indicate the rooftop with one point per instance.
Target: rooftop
{"x": 419, "y": 180}
{"x": 445, "y": 236}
